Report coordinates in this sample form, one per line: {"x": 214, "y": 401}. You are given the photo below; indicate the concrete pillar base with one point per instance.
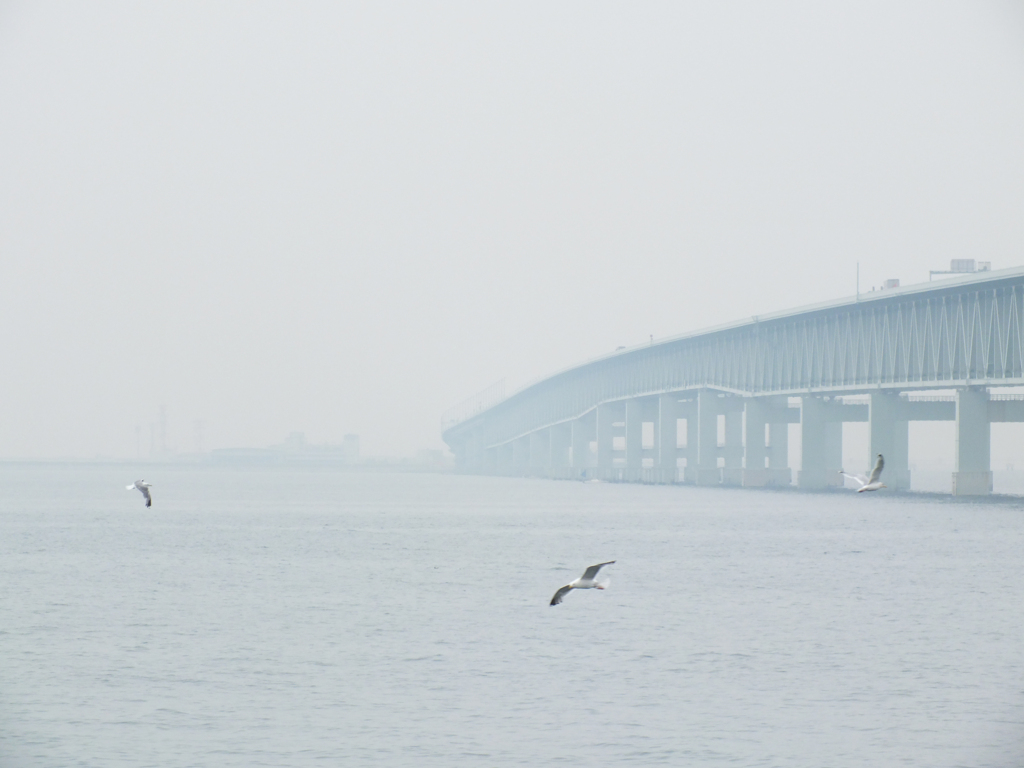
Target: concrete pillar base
{"x": 897, "y": 480}
{"x": 707, "y": 476}
{"x": 755, "y": 478}
{"x": 650, "y": 475}
{"x": 811, "y": 479}
{"x": 657, "y": 475}
{"x": 972, "y": 483}
{"x": 732, "y": 476}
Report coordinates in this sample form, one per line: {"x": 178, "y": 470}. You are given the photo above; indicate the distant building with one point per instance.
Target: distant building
{"x": 295, "y": 450}
{"x": 962, "y": 267}
{"x": 244, "y": 456}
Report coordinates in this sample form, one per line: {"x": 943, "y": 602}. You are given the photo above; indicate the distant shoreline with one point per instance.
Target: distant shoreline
{"x": 366, "y": 465}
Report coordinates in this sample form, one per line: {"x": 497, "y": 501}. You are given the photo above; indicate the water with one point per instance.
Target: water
{"x": 300, "y": 618}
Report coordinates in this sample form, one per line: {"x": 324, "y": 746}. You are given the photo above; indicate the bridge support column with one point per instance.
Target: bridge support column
{"x": 540, "y": 451}
{"x": 973, "y": 473}
{"x": 521, "y": 455}
{"x": 505, "y": 458}
{"x": 605, "y": 436}
{"x": 890, "y": 436}
{"x": 479, "y": 452}
{"x": 666, "y": 439}
{"x": 559, "y": 442}
{"x": 733, "y": 472}
{"x": 490, "y": 461}
{"x": 582, "y": 434}
{"x": 821, "y": 446}
{"x": 472, "y": 459}
{"x": 464, "y": 453}
{"x": 834, "y": 453}
{"x": 755, "y": 450}
{"x": 779, "y": 472}
{"x": 687, "y": 411}
{"x": 634, "y": 440}
{"x": 706, "y": 437}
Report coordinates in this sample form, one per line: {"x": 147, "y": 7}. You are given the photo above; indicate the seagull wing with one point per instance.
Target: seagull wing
{"x": 877, "y": 471}
{"x": 859, "y": 478}
{"x": 142, "y": 487}
{"x": 591, "y": 572}
{"x": 561, "y": 593}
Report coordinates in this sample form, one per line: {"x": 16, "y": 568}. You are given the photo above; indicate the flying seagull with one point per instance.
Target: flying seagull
{"x": 586, "y": 581}
{"x": 143, "y": 487}
{"x": 871, "y": 483}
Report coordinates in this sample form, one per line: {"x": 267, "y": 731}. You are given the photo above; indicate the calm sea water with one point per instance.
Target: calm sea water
{"x": 301, "y": 618}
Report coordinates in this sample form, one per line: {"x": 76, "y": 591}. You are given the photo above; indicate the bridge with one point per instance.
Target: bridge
{"x": 714, "y": 407}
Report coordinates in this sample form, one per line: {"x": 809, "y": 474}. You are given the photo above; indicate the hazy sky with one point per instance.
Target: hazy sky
{"x": 347, "y": 217}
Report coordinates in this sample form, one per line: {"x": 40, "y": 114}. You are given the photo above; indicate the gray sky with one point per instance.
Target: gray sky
{"x": 339, "y": 218}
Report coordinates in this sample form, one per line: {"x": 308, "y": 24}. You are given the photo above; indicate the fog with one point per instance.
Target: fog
{"x": 334, "y": 218}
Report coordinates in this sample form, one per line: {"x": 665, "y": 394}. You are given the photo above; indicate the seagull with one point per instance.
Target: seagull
{"x": 871, "y": 483}
{"x": 143, "y": 487}
{"x": 586, "y": 581}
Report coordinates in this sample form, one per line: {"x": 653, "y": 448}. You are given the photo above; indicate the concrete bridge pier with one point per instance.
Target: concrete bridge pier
{"x": 755, "y": 448}
{"x": 505, "y": 458}
{"x": 521, "y": 455}
{"x": 583, "y": 430}
{"x": 634, "y": 419}
{"x": 706, "y": 437}
{"x": 489, "y": 461}
{"x": 559, "y": 443}
{"x": 811, "y": 475}
{"x": 834, "y": 453}
{"x": 666, "y": 431}
{"x": 732, "y": 451}
{"x": 973, "y": 473}
{"x": 687, "y": 411}
{"x": 889, "y": 435}
{"x": 469, "y": 454}
{"x": 821, "y": 442}
{"x": 474, "y": 452}
{"x": 539, "y": 452}
{"x": 778, "y": 451}
{"x": 606, "y": 413}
